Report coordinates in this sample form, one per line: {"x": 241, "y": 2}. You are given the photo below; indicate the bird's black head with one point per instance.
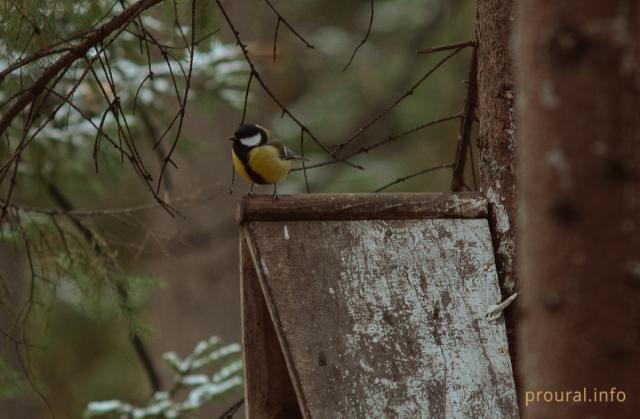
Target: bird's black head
{"x": 250, "y": 135}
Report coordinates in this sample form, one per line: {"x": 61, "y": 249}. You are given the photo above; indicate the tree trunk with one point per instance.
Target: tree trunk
{"x": 497, "y": 126}
{"x": 579, "y": 120}
{"x": 496, "y": 142}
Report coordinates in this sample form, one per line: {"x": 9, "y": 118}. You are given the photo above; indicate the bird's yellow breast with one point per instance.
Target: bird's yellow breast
{"x": 264, "y": 161}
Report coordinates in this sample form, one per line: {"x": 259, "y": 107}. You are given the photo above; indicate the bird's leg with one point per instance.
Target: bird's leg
{"x": 251, "y": 190}
{"x": 275, "y": 191}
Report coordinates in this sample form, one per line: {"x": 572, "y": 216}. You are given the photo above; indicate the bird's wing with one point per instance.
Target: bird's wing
{"x": 286, "y": 153}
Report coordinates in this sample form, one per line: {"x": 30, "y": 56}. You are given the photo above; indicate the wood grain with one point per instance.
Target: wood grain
{"x": 362, "y": 206}
{"x": 269, "y": 393}
{"x": 386, "y": 318}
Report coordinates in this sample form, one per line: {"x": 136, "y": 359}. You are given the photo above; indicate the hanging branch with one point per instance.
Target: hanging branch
{"x": 265, "y": 87}
{"x": 114, "y": 27}
{"x": 364, "y": 40}
{"x": 466, "y": 125}
{"x": 138, "y": 345}
{"x": 76, "y": 52}
{"x": 27, "y": 139}
{"x": 183, "y": 105}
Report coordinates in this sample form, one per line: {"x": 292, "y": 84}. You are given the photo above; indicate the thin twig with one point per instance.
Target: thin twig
{"x": 281, "y": 19}
{"x": 466, "y": 125}
{"x": 12, "y": 184}
{"x": 183, "y": 106}
{"x": 456, "y": 45}
{"x": 395, "y": 102}
{"x": 196, "y": 197}
{"x": 404, "y": 178}
{"x": 137, "y": 343}
{"x": 275, "y": 39}
{"x": 31, "y": 381}
{"x": 387, "y": 140}
{"x": 246, "y": 98}
{"x": 364, "y": 40}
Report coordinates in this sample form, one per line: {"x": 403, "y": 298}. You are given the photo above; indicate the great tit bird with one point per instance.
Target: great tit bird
{"x": 259, "y": 161}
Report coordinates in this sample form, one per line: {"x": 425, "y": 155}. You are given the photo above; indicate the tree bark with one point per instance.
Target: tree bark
{"x": 579, "y": 125}
{"x": 496, "y": 144}
{"x": 497, "y": 125}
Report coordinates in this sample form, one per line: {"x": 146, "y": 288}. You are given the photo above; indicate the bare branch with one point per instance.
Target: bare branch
{"x": 69, "y": 58}
{"x": 125, "y": 301}
{"x": 466, "y": 125}
{"x": 246, "y": 97}
{"x": 387, "y": 140}
{"x": 194, "y": 198}
{"x": 183, "y": 105}
{"x": 448, "y": 47}
{"x": 275, "y": 39}
{"x": 364, "y": 40}
{"x": 421, "y": 172}
{"x": 395, "y": 102}
{"x": 283, "y": 20}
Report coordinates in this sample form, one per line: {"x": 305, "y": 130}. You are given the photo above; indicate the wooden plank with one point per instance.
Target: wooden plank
{"x": 268, "y": 390}
{"x": 386, "y": 318}
{"x": 349, "y": 206}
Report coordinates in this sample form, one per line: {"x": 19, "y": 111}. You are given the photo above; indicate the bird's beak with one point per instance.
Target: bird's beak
{"x": 232, "y": 138}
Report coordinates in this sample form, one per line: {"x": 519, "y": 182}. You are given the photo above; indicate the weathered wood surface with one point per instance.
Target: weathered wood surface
{"x": 386, "y": 318}
{"x": 349, "y": 206}
{"x": 269, "y": 393}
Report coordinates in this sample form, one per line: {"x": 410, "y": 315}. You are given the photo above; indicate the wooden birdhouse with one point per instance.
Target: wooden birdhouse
{"x": 372, "y": 306}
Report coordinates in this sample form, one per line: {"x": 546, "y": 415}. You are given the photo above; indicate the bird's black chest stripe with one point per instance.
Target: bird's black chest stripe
{"x": 242, "y": 153}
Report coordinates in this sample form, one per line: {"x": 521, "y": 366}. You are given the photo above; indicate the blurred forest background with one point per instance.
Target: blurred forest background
{"x": 62, "y": 315}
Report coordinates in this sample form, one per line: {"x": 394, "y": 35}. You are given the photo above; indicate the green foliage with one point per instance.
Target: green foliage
{"x": 86, "y": 135}
{"x": 83, "y": 147}
{"x": 200, "y": 387}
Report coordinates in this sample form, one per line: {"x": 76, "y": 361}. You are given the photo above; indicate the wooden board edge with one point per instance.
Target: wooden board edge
{"x": 277, "y": 324}
{"x": 362, "y": 206}
{"x": 268, "y": 388}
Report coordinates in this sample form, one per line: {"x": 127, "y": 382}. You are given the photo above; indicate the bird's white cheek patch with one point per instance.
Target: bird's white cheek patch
{"x": 251, "y": 141}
